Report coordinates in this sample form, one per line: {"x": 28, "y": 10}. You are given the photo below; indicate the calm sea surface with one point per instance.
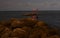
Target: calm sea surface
{"x": 50, "y": 17}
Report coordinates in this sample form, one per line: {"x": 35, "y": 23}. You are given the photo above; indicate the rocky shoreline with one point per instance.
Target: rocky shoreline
{"x": 27, "y": 28}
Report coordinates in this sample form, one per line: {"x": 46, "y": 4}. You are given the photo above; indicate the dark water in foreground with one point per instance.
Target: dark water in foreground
{"x": 51, "y": 17}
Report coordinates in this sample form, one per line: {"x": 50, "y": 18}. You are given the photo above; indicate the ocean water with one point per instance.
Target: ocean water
{"x": 50, "y": 17}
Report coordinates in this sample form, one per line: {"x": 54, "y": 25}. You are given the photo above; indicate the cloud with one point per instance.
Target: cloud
{"x": 29, "y": 4}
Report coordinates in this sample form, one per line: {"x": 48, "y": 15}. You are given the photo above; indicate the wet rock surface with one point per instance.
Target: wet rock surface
{"x": 27, "y": 28}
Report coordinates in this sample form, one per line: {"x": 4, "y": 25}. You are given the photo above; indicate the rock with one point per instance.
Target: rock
{"x": 17, "y": 23}
{"x": 18, "y": 32}
{"x": 41, "y": 23}
{"x": 26, "y": 28}
{"x": 54, "y": 36}
{"x": 38, "y": 33}
{"x": 29, "y": 22}
{"x": 2, "y": 28}
{"x": 28, "y": 31}
{"x": 52, "y": 32}
{"x": 13, "y": 37}
{"x": 6, "y": 33}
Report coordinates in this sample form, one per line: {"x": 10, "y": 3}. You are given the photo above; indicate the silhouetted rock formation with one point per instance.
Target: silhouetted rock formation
{"x": 27, "y": 28}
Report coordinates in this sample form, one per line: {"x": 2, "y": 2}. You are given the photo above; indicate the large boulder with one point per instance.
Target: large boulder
{"x": 6, "y": 33}
{"x": 15, "y": 23}
{"x": 18, "y": 32}
{"x": 29, "y": 22}
{"x": 53, "y": 31}
{"x": 54, "y": 36}
{"x": 41, "y": 24}
{"x": 38, "y": 33}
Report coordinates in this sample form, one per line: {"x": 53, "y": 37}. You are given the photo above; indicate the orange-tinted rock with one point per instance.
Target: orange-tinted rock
{"x": 55, "y": 36}
{"x": 18, "y": 32}
{"x": 41, "y": 23}
{"x": 6, "y": 33}
{"x": 26, "y": 28}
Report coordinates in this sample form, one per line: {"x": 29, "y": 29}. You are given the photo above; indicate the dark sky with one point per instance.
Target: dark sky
{"x": 17, "y": 5}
